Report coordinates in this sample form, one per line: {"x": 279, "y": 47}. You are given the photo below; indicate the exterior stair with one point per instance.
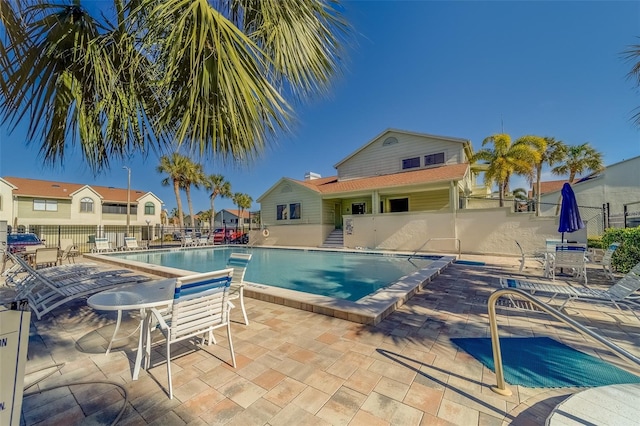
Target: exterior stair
{"x": 334, "y": 240}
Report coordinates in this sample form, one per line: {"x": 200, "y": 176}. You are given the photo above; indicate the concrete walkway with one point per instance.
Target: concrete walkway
{"x": 299, "y": 368}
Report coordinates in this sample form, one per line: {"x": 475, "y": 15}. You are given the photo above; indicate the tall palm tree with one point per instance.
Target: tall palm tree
{"x": 218, "y": 76}
{"x": 176, "y": 167}
{"x": 579, "y": 159}
{"x": 193, "y": 176}
{"x": 218, "y": 186}
{"x": 76, "y": 79}
{"x": 504, "y": 160}
{"x": 243, "y": 202}
{"x": 551, "y": 153}
{"x": 632, "y": 54}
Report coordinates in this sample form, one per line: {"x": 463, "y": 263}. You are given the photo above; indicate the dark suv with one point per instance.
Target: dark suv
{"x": 19, "y": 242}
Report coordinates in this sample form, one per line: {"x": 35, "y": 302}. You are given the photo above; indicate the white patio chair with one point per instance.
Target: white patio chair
{"x": 538, "y": 257}
{"x": 45, "y": 257}
{"x": 200, "y": 306}
{"x": 622, "y": 293}
{"x": 102, "y": 245}
{"x": 239, "y": 262}
{"x": 570, "y": 256}
{"x": 68, "y": 250}
{"x": 606, "y": 260}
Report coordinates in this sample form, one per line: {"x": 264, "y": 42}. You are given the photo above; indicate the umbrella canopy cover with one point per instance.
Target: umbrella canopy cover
{"x": 569, "y": 213}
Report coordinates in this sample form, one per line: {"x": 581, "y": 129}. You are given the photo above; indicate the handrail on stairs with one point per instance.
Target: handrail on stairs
{"x": 437, "y": 239}
{"x": 501, "y": 387}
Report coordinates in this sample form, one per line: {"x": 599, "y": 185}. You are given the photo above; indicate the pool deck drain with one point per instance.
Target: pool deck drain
{"x": 370, "y": 309}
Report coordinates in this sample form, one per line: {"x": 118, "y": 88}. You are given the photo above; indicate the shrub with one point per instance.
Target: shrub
{"x": 628, "y": 254}
{"x": 594, "y": 242}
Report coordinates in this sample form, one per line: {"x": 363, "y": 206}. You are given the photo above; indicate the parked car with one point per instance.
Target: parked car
{"x": 230, "y": 235}
{"x": 19, "y": 242}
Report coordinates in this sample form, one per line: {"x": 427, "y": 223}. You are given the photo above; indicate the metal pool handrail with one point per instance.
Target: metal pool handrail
{"x": 437, "y": 239}
{"x": 501, "y": 387}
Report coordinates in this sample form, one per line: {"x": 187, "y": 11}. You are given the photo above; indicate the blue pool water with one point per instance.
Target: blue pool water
{"x": 349, "y": 276}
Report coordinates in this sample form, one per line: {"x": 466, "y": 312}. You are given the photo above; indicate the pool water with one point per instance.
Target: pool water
{"x": 342, "y": 275}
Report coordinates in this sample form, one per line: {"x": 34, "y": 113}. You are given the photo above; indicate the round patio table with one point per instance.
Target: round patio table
{"x": 140, "y": 296}
{"x": 604, "y": 405}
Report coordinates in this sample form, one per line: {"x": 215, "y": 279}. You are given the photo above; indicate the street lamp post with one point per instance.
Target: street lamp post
{"x": 128, "y": 197}
{"x": 148, "y": 233}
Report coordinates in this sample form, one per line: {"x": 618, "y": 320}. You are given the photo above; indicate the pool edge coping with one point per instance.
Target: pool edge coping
{"x": 371, "y": 309}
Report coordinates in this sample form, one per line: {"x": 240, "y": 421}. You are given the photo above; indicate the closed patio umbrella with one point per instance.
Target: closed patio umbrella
{"x": 569, "y": 213}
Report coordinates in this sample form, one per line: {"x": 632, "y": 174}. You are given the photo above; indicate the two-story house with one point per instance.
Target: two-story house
{"x": 381, "y": 186}
{"x": 28, "y": 203}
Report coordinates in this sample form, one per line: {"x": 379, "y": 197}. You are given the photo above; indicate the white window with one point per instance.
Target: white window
{"x": 45, "y": 205}
{"x": 86, "y": 205}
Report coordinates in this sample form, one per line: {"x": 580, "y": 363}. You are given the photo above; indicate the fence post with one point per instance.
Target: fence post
{"x": 624, "y": 214}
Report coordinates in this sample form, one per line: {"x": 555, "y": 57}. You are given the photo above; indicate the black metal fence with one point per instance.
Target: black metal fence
{"x": 83, "y": 236}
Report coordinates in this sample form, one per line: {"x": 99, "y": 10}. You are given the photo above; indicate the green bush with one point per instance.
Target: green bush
{"x": 594, "y": 242}
{"x": 628, "y": 254}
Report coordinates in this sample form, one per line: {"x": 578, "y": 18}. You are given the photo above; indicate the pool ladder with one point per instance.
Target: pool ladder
{"x": 457, "y": 240}
{"x": 501, "y": 387}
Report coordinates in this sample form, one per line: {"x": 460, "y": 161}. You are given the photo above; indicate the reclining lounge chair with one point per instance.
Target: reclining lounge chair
{"x": 621, "y": 293}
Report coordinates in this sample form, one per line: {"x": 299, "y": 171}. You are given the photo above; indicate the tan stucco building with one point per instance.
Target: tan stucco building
{"x": 28, "y": 202}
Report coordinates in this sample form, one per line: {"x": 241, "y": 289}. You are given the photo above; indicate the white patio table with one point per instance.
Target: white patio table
{"x": 142, "y": 296}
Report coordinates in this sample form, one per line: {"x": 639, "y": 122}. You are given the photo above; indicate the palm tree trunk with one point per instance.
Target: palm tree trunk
{"x": 176, "y": 190}
{"x": 187, "y": 189}
{"x": 538, "y": 177}
{"x": 213, "y": 214}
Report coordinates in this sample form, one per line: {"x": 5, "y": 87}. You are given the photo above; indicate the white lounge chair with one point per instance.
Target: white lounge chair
{"x": 200, "y": 305}
{"x": 623, "y": 292}
{"x": 188, "y": 241}
{"x": 45, "y": 293}
{"x": 131, "y": 243}
{"x": 102, "y": 245}
{"x": 239, "y": 262}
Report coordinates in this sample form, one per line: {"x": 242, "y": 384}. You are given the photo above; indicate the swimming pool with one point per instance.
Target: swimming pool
{"x": 343, "y": 275}
{"x": 358, "y": 286}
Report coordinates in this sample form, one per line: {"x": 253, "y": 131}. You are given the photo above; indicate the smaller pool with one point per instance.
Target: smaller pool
{"x": 342, "y": 275}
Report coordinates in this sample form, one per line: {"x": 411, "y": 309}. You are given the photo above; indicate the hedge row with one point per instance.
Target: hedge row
{"x": 628, "y": 254}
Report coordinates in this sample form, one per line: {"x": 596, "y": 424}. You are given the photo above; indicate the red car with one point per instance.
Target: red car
{"x": 229, "y": 235}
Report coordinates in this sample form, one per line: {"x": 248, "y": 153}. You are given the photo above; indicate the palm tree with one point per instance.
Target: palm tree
{"x": 633, "y": 54}
{"x": 217, "y": 76}
{"x": 551, "y": 153}
{"x": 176, "y": 167}
{"x": 579, "y": 160}
{"x": 78, "y": 80}
{"x": 193, "y": 176}
{"x": 504, "y": 160}
{"x": 243, "y": 201}
{"x": 218, "y": 187}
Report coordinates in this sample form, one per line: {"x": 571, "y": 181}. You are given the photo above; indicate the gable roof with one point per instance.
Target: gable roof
{"x": 465, "y": 142}
{"x": 236, "y": 213}
{"x": 51, "y": 189}
{"x": 331, "y": 185}
{"x": 550, "y": 186}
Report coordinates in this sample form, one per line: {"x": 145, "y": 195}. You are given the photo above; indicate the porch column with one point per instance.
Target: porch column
{"x": 375, "y": 200}
{"x": 453, "y": 196}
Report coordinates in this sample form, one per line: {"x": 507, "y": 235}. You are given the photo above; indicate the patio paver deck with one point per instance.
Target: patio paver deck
{"x": 298, "y": 367}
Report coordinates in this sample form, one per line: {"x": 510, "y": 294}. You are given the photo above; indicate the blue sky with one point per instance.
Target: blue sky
{"x": 461, "y": 69}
